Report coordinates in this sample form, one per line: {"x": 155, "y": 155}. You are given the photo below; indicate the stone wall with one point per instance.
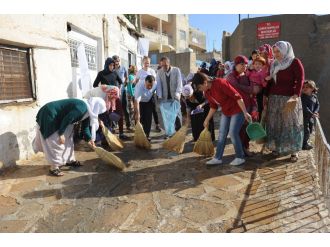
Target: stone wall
{"x": 310, "y": 38}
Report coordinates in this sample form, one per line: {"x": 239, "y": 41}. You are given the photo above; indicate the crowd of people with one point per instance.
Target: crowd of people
{"x": 270, "y": 85}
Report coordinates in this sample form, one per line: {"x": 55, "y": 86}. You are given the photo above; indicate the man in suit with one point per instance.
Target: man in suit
{"x": 169, "y": 86}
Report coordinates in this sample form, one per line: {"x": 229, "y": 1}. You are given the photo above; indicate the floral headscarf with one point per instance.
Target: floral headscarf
{"x": 112, "y": 95}
{"x": 266, "y": 48}
{"x": 286, "y": 50}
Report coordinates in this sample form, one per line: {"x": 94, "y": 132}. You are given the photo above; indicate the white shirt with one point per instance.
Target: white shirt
{"x": 142, "y": 74}
{"x": 141, "y": 94}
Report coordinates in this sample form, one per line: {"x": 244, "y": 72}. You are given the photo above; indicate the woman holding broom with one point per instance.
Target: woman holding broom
{"x": 197, "y": 110}
{"x": 220, "y": 93}
{"x": 54, "y": 131}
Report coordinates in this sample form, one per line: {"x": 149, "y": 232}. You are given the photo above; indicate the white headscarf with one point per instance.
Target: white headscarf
{"x": 187, "y": 90}
{"x": 286, "y": 50}
{"x": 229, "y": 65}
{"x": 95, "y": 106}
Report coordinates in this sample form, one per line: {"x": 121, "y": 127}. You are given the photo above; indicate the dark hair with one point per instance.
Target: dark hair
{"x": 164, "y": 59}
{"x": 150, "y": 78}
{"x": 199, "y": 79}
{"x": 255, "y": 52}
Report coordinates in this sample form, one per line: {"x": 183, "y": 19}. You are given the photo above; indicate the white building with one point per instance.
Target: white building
{"x": 39, "y": 63}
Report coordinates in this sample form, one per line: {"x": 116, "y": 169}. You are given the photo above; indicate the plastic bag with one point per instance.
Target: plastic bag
{"x": 169, "y": 111}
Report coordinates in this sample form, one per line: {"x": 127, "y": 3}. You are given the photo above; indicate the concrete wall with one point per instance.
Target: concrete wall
{"x": 185, "y": 61}
{"x": 310, "y": 38}
{"x": 207, "y": 56}
{"x": 47, "y": 36}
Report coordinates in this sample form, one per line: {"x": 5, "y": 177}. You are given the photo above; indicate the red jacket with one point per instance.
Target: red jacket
{"x": 288, "y": 81}
{"x": 224, "y": 95}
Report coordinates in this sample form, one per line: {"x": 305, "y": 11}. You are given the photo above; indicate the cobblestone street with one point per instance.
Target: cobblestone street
{"x": 163, "y": 192}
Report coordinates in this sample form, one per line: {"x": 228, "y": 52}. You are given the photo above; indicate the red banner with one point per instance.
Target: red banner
{"x": 268, "y": 30}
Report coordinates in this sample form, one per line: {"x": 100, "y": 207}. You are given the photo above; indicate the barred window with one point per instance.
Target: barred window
{"x": 90, "y": 54}
{"x": 15, "y": 75}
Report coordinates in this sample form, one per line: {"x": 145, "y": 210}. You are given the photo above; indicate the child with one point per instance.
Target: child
{"x": 311, "y": 107}
{"x": 257, "y": 75}
{"x": 197, "y": 110}
{"x": 144, "y": 101}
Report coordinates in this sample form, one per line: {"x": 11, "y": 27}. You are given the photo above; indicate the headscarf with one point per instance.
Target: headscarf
{"x": 241, "y": 59}
{"x": 187, "y": 90}
{"x": 229, "y": 65}
{"x": 286, "y": 50}
{"x": 266, "y": 48}
{"x": 107, "y": 62}
{"x": 95, "y": 106}
{"x": 112, "y": 95}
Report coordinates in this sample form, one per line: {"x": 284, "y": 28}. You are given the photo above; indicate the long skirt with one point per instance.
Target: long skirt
{"x": 284, "y": 131}
{"x": 56, "y": 154}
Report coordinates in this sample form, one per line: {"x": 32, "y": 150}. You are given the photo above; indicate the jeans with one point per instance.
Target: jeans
{"x": 230, "y": 125}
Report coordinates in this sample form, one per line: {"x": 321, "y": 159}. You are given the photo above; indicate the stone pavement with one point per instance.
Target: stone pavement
{"x": 163, "y": 192}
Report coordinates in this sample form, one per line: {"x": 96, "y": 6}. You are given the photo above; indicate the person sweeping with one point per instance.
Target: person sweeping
{"x": 143, "y": 102}
{"x": 54, "y": 131}
{"x": 220, "y": 93}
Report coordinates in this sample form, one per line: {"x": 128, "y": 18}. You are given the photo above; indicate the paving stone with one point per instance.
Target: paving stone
{"x": 8, "y": 205}
{"x": 147, "y": 217}
{"x": 12, "y": 226}
{"x": 24, "y": 187}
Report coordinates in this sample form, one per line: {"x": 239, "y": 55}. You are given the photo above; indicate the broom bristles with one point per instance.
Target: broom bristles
{"x": 112, "y": 140}
{"x": 140, "y": 139}
{"x": 204, "y": 145}
{"x": 109, "y": 158}
{"x": 177, "y": 141}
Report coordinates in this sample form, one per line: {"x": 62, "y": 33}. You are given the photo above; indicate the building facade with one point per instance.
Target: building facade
{"x": 40, "y": 62}
{"x": 197, "y": 40}
{"x": 310, "y": 39}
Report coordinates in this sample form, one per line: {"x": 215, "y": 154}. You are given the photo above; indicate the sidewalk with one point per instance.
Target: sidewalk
{"x": 162, "y": 192}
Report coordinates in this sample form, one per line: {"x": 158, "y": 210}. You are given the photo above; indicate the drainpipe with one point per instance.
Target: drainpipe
{"x": 105, "y": 36}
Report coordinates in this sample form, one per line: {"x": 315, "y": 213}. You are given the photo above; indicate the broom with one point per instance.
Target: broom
{"x": 140, "y": 139}
{"x": 177, "y": 141}
{"x": 204, "y": 145}
{"x": 112, "y": 139}
{"x": 289, "y": 106}
{"x": 109, "y": 158}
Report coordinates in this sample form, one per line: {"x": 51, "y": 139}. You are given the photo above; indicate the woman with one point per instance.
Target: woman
{"x": 197, "y": 110}
{"x": 220, "y": 93}
{"x": 109, "y": 76}
{"x": 228, "y": 68}
{"x": 284, "y": 125}
{"x": 54, "y": 132}
{"x": 239, "y": 80}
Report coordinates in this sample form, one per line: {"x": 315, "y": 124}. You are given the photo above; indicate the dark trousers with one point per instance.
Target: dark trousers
{"x": 197, "y": 126}
{"x": 260, "y": 96}
{"x": 154, "y": 110}
{"x": 125, "y": 110}
{"x": 244, "y": 136}
{"x": 308, "y": 129}
{"x": 146, "y": 109}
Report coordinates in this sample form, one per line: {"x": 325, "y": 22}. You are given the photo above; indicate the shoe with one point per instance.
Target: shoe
{"x": 307, "y": 147}
{"x": 123, "y": 137}
{"x": 149, "y": 139}
{"x": 56, "y": 172}
{"x": 237, "y": 162}
{"x": 158, "y": 129}
{"x": 214, "y": 162}
{"x": 248, "y": 153}
{"x": 166, "y": 137}
{"x": 294, "y": 158}
{"x": 75, "y": 163}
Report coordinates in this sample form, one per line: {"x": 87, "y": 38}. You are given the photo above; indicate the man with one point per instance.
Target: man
{"x": 144, "y": 101}
{"x": 169, "y": 86}
{"x": 123, "y": 74}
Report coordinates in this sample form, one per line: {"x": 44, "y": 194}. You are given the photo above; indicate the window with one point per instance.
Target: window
{"x": 182, "y": 35}
{"x": 154, "y": 59}
{"x": 131, "y": 58}
{"x": 15, "y": 75}
{"x": 90, "y": 54}
{"x": 124, "y": 57}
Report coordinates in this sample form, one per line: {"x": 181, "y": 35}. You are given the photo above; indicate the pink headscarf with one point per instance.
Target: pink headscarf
{"x": 112, "y": 95}
{"x": 266, "y": 48}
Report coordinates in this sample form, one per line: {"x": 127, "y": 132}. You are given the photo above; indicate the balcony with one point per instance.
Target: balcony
{"x": 154, "y": 36}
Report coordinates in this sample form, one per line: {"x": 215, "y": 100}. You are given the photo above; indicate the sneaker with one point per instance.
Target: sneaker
{"x": 214, "y": 162}
{"x": 149, "y": 139}
{"x": 237, "y": 162}
{"x": 123, "y": 137}
{"x": 158, "y": 129}
{"x": 307, "y": 147}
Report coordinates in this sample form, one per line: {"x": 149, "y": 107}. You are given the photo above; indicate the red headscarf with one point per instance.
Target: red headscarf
{"x": 266, "y": 48}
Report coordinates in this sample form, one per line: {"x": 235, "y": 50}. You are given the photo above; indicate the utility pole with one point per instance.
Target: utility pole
{"x": 248, "y": 16}
{"x": 239, "y": 18}
{"x": 213, "y": 45}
